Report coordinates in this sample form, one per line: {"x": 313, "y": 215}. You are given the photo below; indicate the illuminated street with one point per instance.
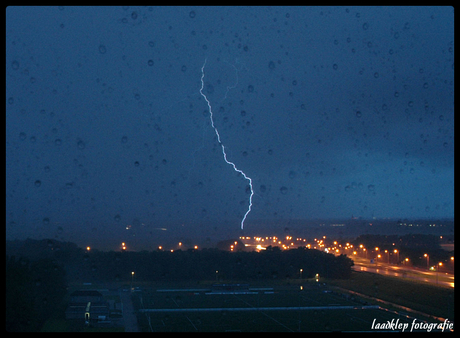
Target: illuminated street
{"x": 441, "y": 278}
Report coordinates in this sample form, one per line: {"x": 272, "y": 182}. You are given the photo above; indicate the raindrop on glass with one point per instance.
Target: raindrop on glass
{"x": 102, "y": 49}
{"x": 15, "y": 65}
{"x": 81, "y": 144}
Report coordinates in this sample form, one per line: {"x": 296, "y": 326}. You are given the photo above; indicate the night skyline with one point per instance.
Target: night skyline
{"x": 332, "y": 112}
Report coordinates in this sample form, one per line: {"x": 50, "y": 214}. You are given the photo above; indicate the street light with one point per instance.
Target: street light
{"x": 132, "y": 278}
{"x": 301, "y": 270}
{"x": 427, "y": 260}
{"x": 437, "y": 269}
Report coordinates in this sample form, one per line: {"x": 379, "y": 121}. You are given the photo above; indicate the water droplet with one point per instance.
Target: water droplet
{"x": 263, "y": 188}
{"x": 22, "y": 136}
{"x": 192, "y": 14}
{"x": 376, "y": 75}
{"x": 365, "y": 26}
{"x": 283, "y": 190}
{"x": 46, "y": 221}
{"x": 183, "y": 68}
{"x": 15, "y": 65}
{"x": 371, "y": 187}
{"x": 334, "y": 66}
{"x": 271, "y": 65}
{"x": 10, "y": 100}
{"x": 57, "y": 142}
{"x": 358, "y": 114}
{"x": 210, "y": 89}
{"x": 102, "y": 49}
{"x": 250, "y": 88}
{"x": 117, "y": 217}
{"x": 134, "y": 15}
{"x": 150, "y": 63}
{"x": 124, "y": 139}
{"x": 38, "y": 183}
{"x": 81, "y": 144}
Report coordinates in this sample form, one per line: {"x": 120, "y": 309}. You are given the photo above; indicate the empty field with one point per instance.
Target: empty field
{"x": 313, "y": 308}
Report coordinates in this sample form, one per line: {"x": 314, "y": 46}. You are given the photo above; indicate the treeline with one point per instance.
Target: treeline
{"x": 214, "y": 264}
{"x": 188, "y": 265}
{"x": 33, "y": 291}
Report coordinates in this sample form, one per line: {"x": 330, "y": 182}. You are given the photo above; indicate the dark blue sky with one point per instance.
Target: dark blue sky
{"x": 332, "y": 111}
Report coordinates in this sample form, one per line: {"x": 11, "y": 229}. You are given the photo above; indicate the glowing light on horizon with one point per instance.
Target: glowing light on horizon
{"x": 222, "y": 145}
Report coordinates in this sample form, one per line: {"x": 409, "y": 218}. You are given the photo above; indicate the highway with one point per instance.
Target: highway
{"x": 436, "y": 278}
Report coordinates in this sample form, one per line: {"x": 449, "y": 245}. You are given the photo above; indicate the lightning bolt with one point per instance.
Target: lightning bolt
{"x": 223, "y": 147}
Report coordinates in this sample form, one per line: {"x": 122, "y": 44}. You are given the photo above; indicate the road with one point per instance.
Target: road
{"x": 129, "y": 316}
{"x": 441, "y": 278}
